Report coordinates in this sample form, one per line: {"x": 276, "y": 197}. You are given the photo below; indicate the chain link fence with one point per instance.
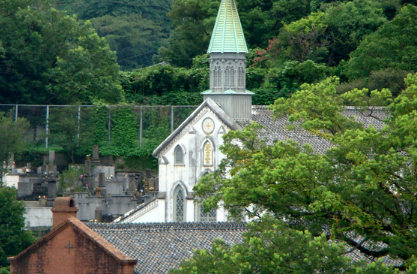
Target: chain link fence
{"x": 51, "y": 124}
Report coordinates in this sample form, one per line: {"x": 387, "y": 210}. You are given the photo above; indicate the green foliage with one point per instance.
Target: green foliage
{"x": 331, "y": 35}
{"x": 70, "y": 177}
{"x": 392, "y": 79}
{"x": 68, "y": 132}
{"x": 135, "y": 29}
{"x": 167, "y": 85}
{"x": 125, "y": 128}
{"x": 272, "y": 247}
{"x": 13, "y": 239}
{"x": 99, "y": 123}
{"x": 51, "y": 58}
{"x": 391, "y": 46}
{"x": 11, "y": 136}
{"x": 364, "y": 184}
{"x": 293, "y": 74}
{"x": 193, "y": 22}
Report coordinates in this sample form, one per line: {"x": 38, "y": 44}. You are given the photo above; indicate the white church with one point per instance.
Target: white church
{"x": 192, "y": 150}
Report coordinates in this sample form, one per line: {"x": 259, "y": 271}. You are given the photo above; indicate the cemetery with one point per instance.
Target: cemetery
{"x": 101, "y": 193}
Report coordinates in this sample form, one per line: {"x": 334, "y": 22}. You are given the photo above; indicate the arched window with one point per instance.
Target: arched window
{"x": 226, "y": 76}
{"x": 207, "y": 154}
{"x": 179, "y": 204}
{"x": 178, "y": 156}
{"x": 240, "y": 77}
{"x": 232, "y": 77}
{"x": 215, "y": 77}
{"x": 210, "y": 216}
{"x": 219, "y": 76}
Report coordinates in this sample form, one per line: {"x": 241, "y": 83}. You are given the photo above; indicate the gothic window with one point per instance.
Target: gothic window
{"x": 210, "y": 216}
{"x": 219, "y": 77}
{"x": 178, "y": 156}
{"x": 215, "y": 77}
{"x": 226, "y": 77}
{"x": 241, "y": 75}
{"x": 179, "y": 205}
{"x": 232, "y": 77}
{"x": 207, "y": 154}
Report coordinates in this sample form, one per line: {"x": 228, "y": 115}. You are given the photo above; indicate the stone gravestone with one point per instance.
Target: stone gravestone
{"x": 14, "y": 171}
{"x": 39, "y": 171}
{"x": 148, "y": 173}
{"x": 51, "y": 189}
{"x": 51, "y": 158}
{"x": 87, "y": 167}
{"x": 132, "y": 184}
{"x": 51, "y": 167}
{"x": 98, "y": 215}
{"x": 88, "y": 178}
{"x": 96, "y": 154}
{"x": 138, "y": 182}
{"x": 156, "y": 184}
{"x": 101, "y": 180}
{"x": 152, "y": 184}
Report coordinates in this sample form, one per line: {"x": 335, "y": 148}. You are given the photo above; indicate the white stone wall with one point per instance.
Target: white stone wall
{"x": 11, "y": 180}
{"x": 38, "y": 216}
{"x": 187, "y": 175}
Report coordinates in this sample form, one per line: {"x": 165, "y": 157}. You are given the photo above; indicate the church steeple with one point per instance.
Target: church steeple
{"x": 228, "y": 34}
{"x": 228, "y": 51}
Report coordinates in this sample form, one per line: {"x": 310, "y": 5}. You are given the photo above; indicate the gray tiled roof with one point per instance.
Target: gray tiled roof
{"x": 159, "y": 247}
{"x": 275, "y": 128}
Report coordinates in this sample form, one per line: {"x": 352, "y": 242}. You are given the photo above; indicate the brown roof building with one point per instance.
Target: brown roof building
{"x": 71, "y": 247}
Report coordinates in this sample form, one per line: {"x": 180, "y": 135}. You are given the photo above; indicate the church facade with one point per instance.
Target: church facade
{"x": 192, "y": 150}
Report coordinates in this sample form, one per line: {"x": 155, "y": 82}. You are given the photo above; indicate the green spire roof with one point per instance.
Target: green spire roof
{"x": 227, "y": 33}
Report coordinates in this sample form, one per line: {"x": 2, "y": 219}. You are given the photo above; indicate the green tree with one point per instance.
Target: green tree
{"x": 13, "y": 239}
{"x": 364, "y": 184}
{"x": 51, "y": 58}
{"x": 391, "y": 46}
{"x": 273, "y": 247}
{"x": 135, "y": 29}
{"x": 11, "y": 136}
{"x": 193, "y": 22}
{"x": 331, "y": 35}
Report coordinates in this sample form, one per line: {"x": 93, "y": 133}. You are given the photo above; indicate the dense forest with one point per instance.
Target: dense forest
{"x": 153, "y": 51}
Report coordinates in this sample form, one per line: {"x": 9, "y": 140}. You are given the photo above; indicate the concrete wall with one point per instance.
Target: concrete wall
{"x": 116, "y": 204}
{"x": 11, "y": 180}
{"x": 114, "y": 188}
{"x": 38, "y": 216}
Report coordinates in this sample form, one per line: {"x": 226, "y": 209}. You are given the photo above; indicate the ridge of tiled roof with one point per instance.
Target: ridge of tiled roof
{"x": 169, "y": 226}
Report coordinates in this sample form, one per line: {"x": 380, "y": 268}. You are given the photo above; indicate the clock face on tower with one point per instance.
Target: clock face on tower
{"x": 208, "y": 126}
